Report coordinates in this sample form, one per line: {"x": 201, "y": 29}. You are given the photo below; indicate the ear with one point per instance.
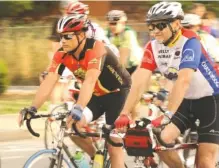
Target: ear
{"x": 81, "y": 34}
{"x": 176, "y": 24}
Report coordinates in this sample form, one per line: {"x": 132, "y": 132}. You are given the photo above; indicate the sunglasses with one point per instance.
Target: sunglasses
{"x": 66, "y": 36}
{"x": 159, "y": 26}
{"x": 113, "y": 23}
{"x": 113, "y": 19}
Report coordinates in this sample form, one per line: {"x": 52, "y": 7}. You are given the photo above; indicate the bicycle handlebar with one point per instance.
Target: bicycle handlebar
{"x": 28, "y": 124}
{"x": 29, "y": 118}
{"x": 106, "y": 132}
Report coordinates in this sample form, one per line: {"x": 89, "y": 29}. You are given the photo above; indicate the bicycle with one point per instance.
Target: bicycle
{"x": 141, "y": 142}
{"x": 60, "y": 156}
{"x": 52, "y": 127}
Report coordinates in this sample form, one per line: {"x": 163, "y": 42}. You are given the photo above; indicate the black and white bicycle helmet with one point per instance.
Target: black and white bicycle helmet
{"x": 165, "y": 11}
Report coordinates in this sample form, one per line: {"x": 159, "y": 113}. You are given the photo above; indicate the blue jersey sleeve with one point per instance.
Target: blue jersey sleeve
{"x": 191, "y": 54}
{"x": 214, "y": 32}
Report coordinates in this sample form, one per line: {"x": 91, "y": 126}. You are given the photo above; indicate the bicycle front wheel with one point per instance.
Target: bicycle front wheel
{"x": 52, "y": 129}
{"x": 47, "y": 159}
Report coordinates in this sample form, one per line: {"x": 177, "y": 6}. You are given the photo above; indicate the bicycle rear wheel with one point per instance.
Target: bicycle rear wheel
{"x": 47, "y": 159}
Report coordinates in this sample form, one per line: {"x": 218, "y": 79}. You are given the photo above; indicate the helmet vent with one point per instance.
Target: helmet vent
{"x": 74, "y": 24}
{"x": 166, "y": 6}
{"x": 169, "y": 13}
{"x": 159, "y": 7}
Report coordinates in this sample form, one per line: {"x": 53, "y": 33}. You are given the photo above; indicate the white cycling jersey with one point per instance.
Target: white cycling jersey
{"x": 185, "y": 52}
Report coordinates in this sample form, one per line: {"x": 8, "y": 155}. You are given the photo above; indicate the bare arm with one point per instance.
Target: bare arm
{"x": 179, "y": 89}
{"x": 124, "y": 56}
{"x": 88, "y": 87}
{"x": 140, "y": 82}
{"x": 45, "y": 89}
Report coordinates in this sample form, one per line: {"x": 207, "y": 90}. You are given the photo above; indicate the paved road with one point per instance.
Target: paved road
{"x": 14, "y": 153}
{"x": 17, "y": 145}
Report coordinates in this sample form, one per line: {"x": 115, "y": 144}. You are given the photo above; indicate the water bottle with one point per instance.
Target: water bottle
{"x": 98, "y": 160}
{"x": 80, "y": 160}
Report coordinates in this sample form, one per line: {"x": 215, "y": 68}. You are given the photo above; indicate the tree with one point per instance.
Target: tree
{"x": 10, "y": 9}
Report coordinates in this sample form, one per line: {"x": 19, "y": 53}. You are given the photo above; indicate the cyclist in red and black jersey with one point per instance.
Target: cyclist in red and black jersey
{"x": 96, "y": 56}
{"x": 105, "y": 82}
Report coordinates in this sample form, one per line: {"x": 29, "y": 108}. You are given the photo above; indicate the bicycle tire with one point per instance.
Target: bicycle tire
{"x": 108, "y": 164}
{"x": 41, "y": 154}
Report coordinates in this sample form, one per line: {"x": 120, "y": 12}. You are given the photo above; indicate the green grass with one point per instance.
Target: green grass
{"x": 12, "y": 104}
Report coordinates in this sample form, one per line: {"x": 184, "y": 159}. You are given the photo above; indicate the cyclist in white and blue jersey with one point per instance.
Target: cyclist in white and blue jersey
{"x": 180, "y": 57}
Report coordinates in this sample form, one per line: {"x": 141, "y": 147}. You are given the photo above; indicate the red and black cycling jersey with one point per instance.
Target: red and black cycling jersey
{"x": 95, "y": 55}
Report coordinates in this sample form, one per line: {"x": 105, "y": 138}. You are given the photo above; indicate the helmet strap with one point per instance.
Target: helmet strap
{"x": 172, "y": 36}
{"x": 72, "y": 52}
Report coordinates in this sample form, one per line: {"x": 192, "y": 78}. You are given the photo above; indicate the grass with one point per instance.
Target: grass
{"x": 13, "y": 103}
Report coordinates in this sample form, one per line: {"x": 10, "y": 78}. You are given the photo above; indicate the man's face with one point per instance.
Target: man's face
{"x": 201, "y": 10}
{"x": 69, "y": 41}
{"x": 194, "y": 28}
{"x": 116, "y": 26}
{"x": 160, "y": 30}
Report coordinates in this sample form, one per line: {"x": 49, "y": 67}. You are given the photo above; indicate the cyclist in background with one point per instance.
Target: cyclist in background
{"x": 124, "y": 38}
{"x": 179, "y": 55}
{"x": 201, "y": 10}
{"x": 210, "y": 43}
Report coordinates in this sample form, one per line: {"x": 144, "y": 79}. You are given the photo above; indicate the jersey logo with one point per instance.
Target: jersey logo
{"x": 210, "y": 73}
{"x": 177, "y": 55}
{"x": 80, "y": 73}
{"x": 171, "y": 73}
{"x": 93, "y": 61}
{"x": 188, "y": 56}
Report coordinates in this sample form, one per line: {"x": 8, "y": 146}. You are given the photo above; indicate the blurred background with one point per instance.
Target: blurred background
{"x": 26, "y": 25}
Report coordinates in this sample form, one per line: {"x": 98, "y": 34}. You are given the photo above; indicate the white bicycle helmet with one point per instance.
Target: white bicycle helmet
{"x": 116, "y": 15}
{"x": 191, "y": 20}
{"x": 165, "y": 11}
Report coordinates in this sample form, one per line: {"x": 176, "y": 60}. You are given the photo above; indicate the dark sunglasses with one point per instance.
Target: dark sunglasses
{"x": 66, "y": 36}
{"x": 188, "y": 27}
{"x": 113, "y": 19}
{"x": 113, "y": 23}
{"x": 159, "y": 26}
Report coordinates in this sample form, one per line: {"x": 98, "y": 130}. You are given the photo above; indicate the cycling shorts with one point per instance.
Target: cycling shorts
{"x": 206, "y": 110}
{"x": 111, "y": 104}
